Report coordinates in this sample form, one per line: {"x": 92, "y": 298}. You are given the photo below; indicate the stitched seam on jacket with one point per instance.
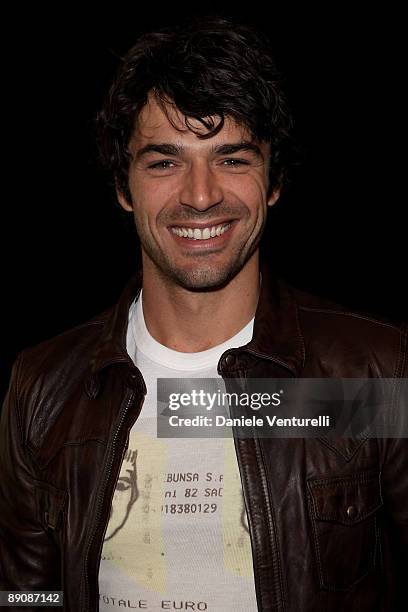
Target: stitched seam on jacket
{"x": 302, "y": 340}
{"x": 344, "y": 480}
{"x": 18, "y": 367}
{"x": 350, "y": 313}
{"x": 66, "y": 444}
{"x": 346, "y": 457}
{"x": 403, "y": 349}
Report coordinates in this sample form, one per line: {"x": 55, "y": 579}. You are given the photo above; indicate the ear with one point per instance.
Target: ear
{"x": 122, "y": 199}
{"x": 274, "y": 196}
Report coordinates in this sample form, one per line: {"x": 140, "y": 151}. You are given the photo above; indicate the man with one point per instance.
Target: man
{"x": 196, "y": 132}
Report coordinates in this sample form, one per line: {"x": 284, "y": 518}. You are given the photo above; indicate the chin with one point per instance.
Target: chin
{"x": 208, "y": 279}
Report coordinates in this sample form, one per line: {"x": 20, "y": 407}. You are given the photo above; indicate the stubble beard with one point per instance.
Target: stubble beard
{"x": 200, "y": 276}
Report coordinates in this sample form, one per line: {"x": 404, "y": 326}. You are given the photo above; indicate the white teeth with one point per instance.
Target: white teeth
{"x": 197, "y": 234}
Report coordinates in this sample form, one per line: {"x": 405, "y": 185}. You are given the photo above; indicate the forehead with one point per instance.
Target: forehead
{"x": 153, "y": 125}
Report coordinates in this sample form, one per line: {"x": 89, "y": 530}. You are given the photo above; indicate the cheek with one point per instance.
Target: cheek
{"x": 149, "y": 199}
{"x": 250, "y": 189}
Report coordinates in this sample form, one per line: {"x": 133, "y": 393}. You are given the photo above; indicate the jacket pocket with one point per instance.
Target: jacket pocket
{"x": 50, "y": 504}
{"x": 344, "y": 515}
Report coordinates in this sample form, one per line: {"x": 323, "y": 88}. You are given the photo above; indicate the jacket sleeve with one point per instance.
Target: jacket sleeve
{"x": 29, "y": 558}
{"x": 395, "y": 495}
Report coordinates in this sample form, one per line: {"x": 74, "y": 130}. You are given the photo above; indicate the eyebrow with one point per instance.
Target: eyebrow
{"x": 237, "y": 147}
{"x": 165, "y": 148}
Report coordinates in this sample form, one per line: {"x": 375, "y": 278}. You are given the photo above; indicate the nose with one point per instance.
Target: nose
{"x": 201, "y": 189}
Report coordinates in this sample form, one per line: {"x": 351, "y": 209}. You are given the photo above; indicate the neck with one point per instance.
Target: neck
{"x": 189, "y": 321}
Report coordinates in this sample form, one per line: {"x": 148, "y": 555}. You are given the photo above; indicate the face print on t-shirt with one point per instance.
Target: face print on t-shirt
{"x": 126, "y": 493}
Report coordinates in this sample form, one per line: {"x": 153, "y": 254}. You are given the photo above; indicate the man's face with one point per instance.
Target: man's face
{"x": 199, "y": 204}
{"x": 125, "y": 495}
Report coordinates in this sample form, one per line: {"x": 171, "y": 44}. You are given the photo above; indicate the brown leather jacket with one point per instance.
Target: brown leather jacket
{"x": 64, "y": 430}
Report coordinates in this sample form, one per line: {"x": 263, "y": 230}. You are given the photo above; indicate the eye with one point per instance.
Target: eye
{"x": 162, "y": 165}
{"x": 123, "y": 484}
{"x": 234, "y": 163}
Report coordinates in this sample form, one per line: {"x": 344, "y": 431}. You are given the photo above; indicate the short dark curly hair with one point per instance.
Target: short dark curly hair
{"x": 208, "y": 68}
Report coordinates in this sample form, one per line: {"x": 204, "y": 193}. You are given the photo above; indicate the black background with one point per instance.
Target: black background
{"x": 339, "y": 231}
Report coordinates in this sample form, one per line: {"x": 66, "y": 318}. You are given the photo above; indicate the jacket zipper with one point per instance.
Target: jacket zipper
{"x": 98, "y": 510}
{"x": 271, "y": 520}
{"x": 277, "y": 578}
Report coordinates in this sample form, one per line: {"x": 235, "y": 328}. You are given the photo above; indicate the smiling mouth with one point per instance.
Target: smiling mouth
{"x": 204, "y": 233}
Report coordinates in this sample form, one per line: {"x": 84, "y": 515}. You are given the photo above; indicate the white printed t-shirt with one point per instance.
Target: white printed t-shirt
{"x": 177, "y": 537}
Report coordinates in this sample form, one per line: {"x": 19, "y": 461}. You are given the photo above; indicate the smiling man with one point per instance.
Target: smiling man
{"x": 196, "y": 133}
{"x": 199, "y": 206}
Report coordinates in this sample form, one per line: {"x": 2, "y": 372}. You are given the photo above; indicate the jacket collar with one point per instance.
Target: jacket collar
{"x": 277, "y": 335}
